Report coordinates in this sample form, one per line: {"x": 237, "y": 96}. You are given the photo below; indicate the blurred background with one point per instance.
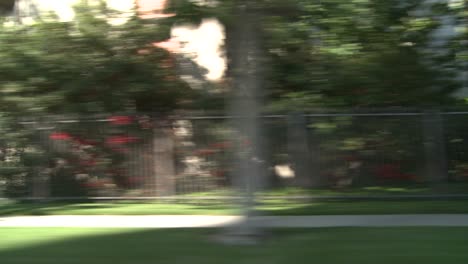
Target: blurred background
{"x": 215, "y": 99}
{"x": 345, "y": 119}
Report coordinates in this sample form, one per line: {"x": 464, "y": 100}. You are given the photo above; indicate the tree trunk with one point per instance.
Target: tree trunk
{"x": 298, "y": 149}
{"x": 245, "y": 72}
{"x": 434, "y": 148}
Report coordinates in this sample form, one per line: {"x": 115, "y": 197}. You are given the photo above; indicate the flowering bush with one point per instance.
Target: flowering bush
{"x": 392, "y": 172}
{"x": 60, "y": 136}
{"x": 120, "y": 120}
{"x": 98, "y": 155}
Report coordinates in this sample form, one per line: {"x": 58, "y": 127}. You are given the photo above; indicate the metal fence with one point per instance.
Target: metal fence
{"x": 147, "y": 156}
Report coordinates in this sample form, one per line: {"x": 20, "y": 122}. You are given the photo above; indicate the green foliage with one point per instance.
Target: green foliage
{"x": 361, "y": 53}
{"x": 77, "y": 68}
{"x": 358, "y": 54}
{"x": 384, "y": 245}
{"x": 87, "y": 65}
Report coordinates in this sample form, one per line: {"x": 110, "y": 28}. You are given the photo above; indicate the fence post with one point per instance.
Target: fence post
{"x": 40, "y": 180}
{"x": 298, "y": 149}
{"x": 314, "y": 156}
{"x": 164, "y": 160}
{"x": 434, "y": 147}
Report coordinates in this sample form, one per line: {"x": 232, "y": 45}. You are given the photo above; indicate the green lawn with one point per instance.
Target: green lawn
{"x": 377, "y": 190}
{"x": 366, "y": 207}
{"x": 116, "y": 208}
{"x": 276, "y": 204}
{"x": 272, "y": 207}
{"x": 429, "y": 245}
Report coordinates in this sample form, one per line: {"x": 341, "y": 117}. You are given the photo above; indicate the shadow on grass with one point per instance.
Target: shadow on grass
{"x": 277, "y": 204}
{"x": 21, "y": 208}
{"x": 11, "y": 209}
{"x": 367, "y": 207}
{"x": 88, "y": 206}
{"x": 271, "y": 207}
{"x": 195, "y": 246}
{"x": 446, "y": 188}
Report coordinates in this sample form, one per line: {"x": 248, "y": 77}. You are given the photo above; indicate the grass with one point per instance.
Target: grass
{"x": 429, "y": 245}
{"x": 376, "y": 190}
{"x": 272, "y": 207}
{"x": 277, "y": 204}
{"x": 117, "y": 208}
{"x": 367, "y": 207}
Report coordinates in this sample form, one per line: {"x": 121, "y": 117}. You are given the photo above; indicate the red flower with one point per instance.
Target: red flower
{"x": 119, "y": 140}
{"x": 60, "y": 136}
{"x": 387, "y": 171}
{"x": 85, "y": 142}
{"x": 392, "y": 171}
{"x": 222, "y": 145}
{"x": 120, "y": 120}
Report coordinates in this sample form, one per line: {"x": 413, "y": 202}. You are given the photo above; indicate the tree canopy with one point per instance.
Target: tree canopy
{"x": 362, "y": 53}
{"x": 87, "y": 65}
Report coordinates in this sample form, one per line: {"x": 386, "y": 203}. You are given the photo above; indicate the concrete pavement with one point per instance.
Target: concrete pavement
{"x": 197, "y": 221}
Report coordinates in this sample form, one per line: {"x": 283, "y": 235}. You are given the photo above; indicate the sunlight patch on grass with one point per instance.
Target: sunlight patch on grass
{"x": 17, "y": 237}
{"x": 430, "y": 245}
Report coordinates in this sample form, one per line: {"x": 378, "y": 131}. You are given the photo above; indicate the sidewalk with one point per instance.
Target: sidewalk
{"x": 197, "y": 221}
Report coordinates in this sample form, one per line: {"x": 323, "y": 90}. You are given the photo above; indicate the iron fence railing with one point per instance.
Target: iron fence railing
{"x": 143, "y": 156}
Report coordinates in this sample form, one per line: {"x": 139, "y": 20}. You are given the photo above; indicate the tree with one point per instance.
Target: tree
{"x": 245, "y": 76}
{"x": 360, "y": 54}
{"x": 328, "y": 54}
{"x": 88, "y": 65}
{"x": 324, "y": 54}
{"x": 6, "y": 6}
